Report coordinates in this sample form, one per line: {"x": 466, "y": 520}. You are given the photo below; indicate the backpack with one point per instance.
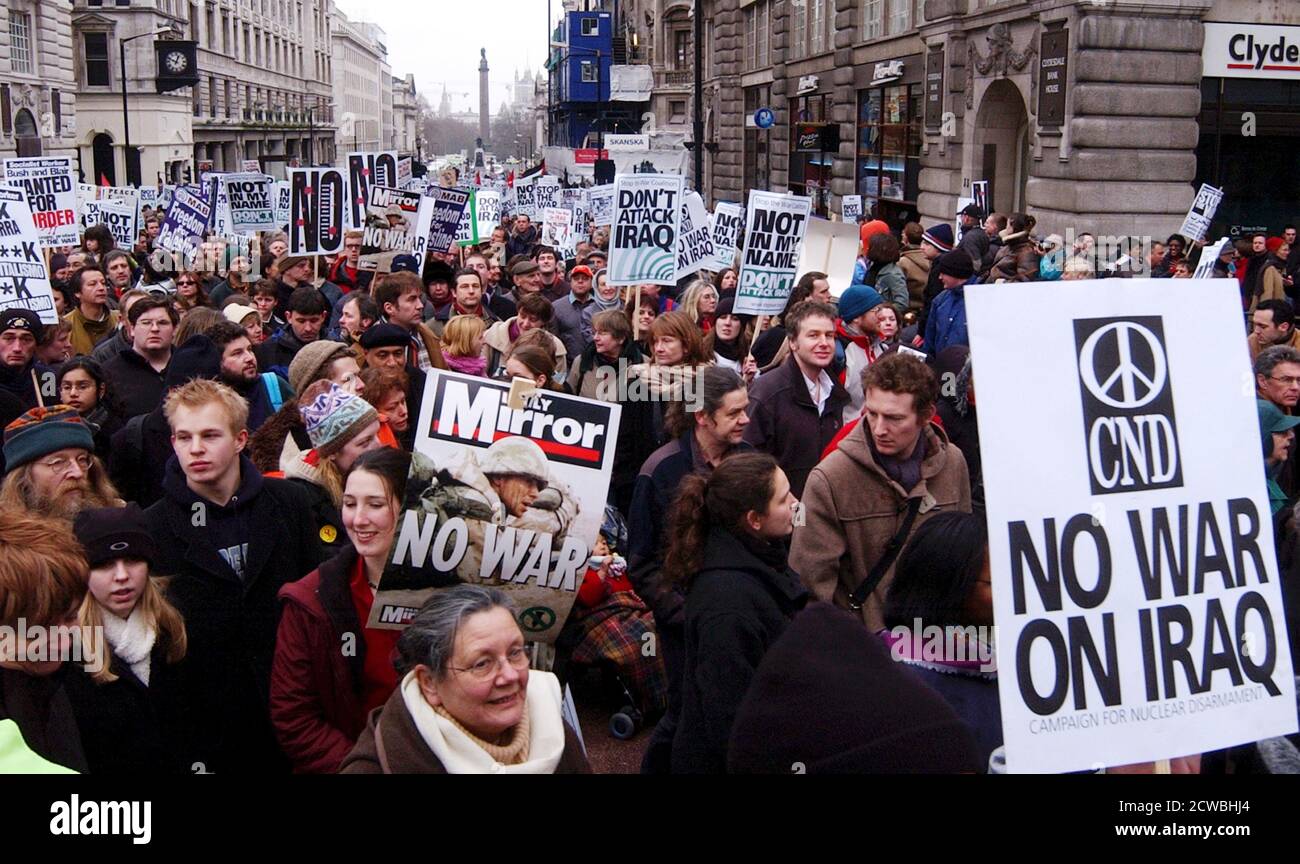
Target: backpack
{"x": 272, "y": 382}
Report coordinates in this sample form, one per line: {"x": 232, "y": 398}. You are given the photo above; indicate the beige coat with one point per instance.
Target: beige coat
{"x": 916, "y": 267}
{"x": 852, "y": 509}
{"x": 497, "y": 345}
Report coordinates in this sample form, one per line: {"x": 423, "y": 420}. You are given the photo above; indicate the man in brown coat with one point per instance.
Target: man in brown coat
{"x": 856, "y": 500}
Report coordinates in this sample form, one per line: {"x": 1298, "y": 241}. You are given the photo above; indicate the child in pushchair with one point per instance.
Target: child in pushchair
{"x": 611, "y": 628}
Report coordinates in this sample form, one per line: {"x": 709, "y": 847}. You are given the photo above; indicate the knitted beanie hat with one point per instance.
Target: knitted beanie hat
{"x": 310, "y": 359}
{"x": 858, "y": 299}
{"x": 334, "y": 416}
{"x": 42, "y": 431}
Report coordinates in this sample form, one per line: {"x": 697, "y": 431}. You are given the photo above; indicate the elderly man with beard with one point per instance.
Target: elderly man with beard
{"x": 52, "y": 468}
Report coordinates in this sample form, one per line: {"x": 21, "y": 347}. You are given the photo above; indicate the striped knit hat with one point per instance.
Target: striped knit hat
{"x": 42, "y": 431}
{"x": 334, "y": 416}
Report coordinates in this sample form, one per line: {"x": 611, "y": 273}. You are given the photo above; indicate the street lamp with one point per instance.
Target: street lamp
{"x": 133, "y": 177}
{"x": 311, "y": 129}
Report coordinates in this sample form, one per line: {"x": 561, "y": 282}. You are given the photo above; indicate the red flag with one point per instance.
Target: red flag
{"x": 103, "y": 180}
{"x": 510, "y": 179}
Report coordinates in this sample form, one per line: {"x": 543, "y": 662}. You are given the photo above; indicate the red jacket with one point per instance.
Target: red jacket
{"x": 317, "y": 686}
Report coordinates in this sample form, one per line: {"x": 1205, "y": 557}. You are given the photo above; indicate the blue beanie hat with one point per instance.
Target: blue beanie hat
{"x": 334, "y": 417}
{"x": 858, "y": 299}
{"x": 42, "y": 431}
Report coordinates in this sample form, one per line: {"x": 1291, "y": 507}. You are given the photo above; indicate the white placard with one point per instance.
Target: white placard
{"x": 1135, "y": 588}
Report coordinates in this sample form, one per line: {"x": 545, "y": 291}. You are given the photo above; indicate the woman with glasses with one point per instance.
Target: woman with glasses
{"x": 467, "y": 702}
{"x": 83, "y": 386}
{"x": 190, "y": 292}
{"x": 330, "y": 670}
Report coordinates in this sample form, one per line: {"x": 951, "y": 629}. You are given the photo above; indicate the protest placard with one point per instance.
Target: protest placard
{"x": 979, "y": 193}
{"x": 647, "y": 222}
{"x": 48, "y": 184}
{"x": 830, "y": 248}
{"x": 149, "y": 196}
{"x": 463, "y": 520}
{"x": 187, "y": 220}
{"x": 726, "y": 223}
{"x": 851, "y": 208}
{"x": 403, "y": 171}
{"x": 557, "y": 229}
{"x": 576, "y": 201}
{"x": 526, "y": 198}
{"x": 119, "y": 216}
{"x": 695, "y": 249}
{"x": 317, "y": 211}
{"x": 392, "y": 218}
{"x": 774, "y": 228}
{"x": 252, "y": 206}
{"x": 1135, "y": 589}
{"x": 1197, "y": 220}
{"x": 366, "y": 169}
{"x": 24, "y": 279}
{"x": 548, "y": 191}
{"x": 283, "y": 192}
{"x": 250, "y": 166}
{"x": 1209, "y": 254}
{"x": 487, "y": 211}
{"x": 467, "y": 228}
{"x": 600, "y": 204}
{"x": 449, "y": 207}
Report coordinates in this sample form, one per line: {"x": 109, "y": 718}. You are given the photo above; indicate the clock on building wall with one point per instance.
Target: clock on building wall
{"x": 177, "y": 64}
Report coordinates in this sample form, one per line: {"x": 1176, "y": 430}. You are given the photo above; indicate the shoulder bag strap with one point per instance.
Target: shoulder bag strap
{"x": 867, "y": 585}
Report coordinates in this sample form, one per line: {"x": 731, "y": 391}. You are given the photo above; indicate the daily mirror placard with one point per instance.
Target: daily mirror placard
{"x": 511, "y": 497}
{"x": 1136, "y": 593}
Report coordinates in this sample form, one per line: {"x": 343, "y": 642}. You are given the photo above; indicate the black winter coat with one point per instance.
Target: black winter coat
{"x": 738, "y": 605}
{"x": 783, "y": 421}
{"x": 231, "y": 624}
{"x": 137, "y": 386}
{"x": 128, "y": 727}
{"x": 275, "y": 355}
{"x": 41, "y": 709}
{"x": 137, "y": 462}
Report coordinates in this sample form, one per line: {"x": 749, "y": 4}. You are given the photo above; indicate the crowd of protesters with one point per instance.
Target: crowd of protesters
{"x": 207, "y": 466}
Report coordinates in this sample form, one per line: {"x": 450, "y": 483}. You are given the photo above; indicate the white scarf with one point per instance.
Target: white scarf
{"x": 131, "y": 639}
{"x": 460, "y": 755}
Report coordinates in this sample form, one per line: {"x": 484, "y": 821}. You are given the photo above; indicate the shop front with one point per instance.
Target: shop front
{"x": 890, "y": 107}
{"x": 1249, "y": 135}
{"x": 812, "y": 145}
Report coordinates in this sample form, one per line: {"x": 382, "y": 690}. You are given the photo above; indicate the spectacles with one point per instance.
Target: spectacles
{"x": 75, "y": 386}
{"x": 487, "y": 668}
{"x": 1288, "y": 380}
{"x": 62, "y": 464}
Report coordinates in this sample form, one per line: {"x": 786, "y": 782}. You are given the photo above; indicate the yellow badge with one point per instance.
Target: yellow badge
{"x": 328, "y": 533}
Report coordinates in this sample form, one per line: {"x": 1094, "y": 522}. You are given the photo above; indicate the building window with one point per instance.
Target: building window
{"x": 95, "y": 46}
{"x": 588, "y": 72}
{"x": 750, "y": 55}
{"x": 27, "y": 137}
{"x": 763, "y": 35}
{"x": 212, "y": 97}
{"x": 900, "y": 16}
{"x": 889, "y": 146}
{"x": 810, "y": 173}
{"x": 590, "y": 26}
{"x": 817, "y": 25}
{"x": 677, "y": 111}
{"x": 873, "y": 18}
{"x": 681, "y": 49}
{"x": 799, "y": 31}
{"x": 20, "y": 43}
{"x": 230, "y": 104}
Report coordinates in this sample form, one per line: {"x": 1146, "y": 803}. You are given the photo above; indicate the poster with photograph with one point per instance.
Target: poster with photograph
{"x": 508, "y": 497}
{"x": 392, "y": 218}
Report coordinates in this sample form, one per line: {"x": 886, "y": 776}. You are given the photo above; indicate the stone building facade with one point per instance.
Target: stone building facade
{"x": 160, "y": 128}
{"x": 362, "y": 81}
{"x": 265, "y": 92}
{"x": 1092, "y": 116}
{"x": 37, "y": 81}
{"x": 406, "y": 117}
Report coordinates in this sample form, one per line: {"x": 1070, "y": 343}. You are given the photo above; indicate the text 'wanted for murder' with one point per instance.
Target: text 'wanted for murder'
{"x": 1172, "y": 555}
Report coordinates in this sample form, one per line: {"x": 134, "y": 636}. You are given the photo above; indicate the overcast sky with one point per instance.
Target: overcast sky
{"x": 439, "y": 42}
